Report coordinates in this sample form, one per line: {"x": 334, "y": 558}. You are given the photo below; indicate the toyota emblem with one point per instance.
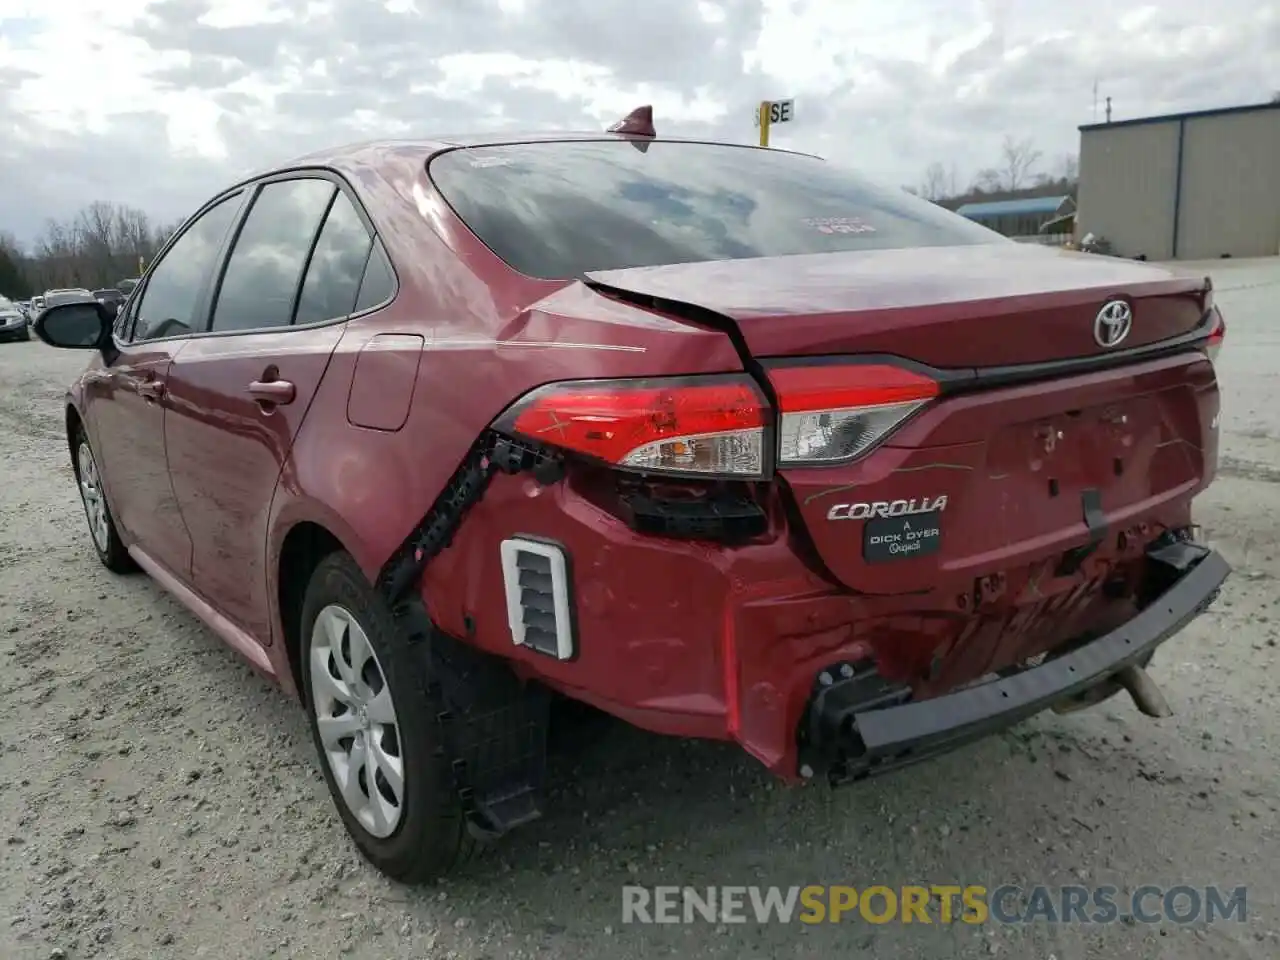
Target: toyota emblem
{"x": 1112, "y": 323}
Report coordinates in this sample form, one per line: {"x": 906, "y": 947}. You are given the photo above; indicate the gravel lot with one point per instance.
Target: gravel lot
{"x": 157, "y": 799}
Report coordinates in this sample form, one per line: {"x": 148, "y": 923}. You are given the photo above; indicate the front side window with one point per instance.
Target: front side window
{"x": 556, "y": 210}
{"x": 176, "y": 286}
{"x": 265, "y": 266}
{"x": 333, "y": 275}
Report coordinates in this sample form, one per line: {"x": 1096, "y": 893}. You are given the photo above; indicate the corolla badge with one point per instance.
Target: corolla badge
{"x": 1112, "y": 324}
{"x": 887, "y": 508}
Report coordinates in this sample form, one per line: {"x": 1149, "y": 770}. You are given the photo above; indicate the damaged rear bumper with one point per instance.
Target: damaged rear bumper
{"x": 857, "y": 726}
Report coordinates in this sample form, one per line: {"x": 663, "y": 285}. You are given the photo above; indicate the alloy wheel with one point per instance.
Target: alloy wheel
{"x": 356, "y": 721}
{"x": 95, "y": 503}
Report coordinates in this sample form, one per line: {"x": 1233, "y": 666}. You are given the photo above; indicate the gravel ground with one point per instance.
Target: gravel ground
{"x": 158, "y": 799}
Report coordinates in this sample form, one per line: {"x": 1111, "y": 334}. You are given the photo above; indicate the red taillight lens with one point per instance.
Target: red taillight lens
{"x": 836, "y": 412}
{"x": 703, "y": 426}
{"x": 1217, "y": 335}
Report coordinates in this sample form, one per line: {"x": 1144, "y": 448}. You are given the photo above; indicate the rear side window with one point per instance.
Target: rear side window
{"x": 333, "y": 276}
{"x": 265, "y": 266}
{"x": 177, "y": 284}
{"x": 379, "y": 281}
{"x": 556, "y": 210}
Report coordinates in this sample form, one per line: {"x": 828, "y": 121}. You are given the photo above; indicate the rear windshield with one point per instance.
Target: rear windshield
{"x": 558, "y": 210}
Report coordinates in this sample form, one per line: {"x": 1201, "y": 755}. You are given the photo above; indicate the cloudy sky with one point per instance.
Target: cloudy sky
{"x": 159, "y": 104}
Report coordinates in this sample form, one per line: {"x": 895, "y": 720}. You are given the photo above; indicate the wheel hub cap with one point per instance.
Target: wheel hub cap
{"x": 356, "y": 720}
{"x": 95, "y": 505}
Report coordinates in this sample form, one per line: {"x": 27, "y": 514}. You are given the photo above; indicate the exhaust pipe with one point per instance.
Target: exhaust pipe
{"x": 1146, "y": 695}
{"x": 1134, "y": 680}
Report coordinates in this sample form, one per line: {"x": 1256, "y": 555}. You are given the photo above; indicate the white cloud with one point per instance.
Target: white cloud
{"x": 160, "y": 103}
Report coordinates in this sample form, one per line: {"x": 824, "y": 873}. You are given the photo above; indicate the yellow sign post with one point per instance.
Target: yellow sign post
{"x": 773, "y": 111}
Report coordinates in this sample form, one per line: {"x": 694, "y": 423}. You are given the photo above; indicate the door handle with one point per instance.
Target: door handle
{"x": 272, "y": 391}
{"x": 151, "y": 389}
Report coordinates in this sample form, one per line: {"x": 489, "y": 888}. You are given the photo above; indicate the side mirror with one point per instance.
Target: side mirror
{"x": 74, "y": 326}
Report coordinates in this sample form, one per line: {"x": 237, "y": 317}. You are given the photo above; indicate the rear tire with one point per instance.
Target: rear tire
{"x": 93, "y": 497}
{"x": 374, "y": 726}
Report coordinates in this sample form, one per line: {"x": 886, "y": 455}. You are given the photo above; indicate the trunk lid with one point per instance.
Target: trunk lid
{"x": 1004, "y": 479}
{"x": 978, "y": 306}
{"x": 1002, "y": 475}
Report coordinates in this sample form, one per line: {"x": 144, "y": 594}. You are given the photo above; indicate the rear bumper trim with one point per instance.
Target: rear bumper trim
{"x": 892, "y": 736}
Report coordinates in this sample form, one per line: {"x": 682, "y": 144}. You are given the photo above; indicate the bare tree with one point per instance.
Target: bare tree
{"x": 1018, "y": 157}
{"x": 164, "y": 232}
{"x": 1069, "y": 168}
{"x": 988, "y": 180}
{"x": 133, "y": 230}
{"x": 934, "y": 186}
{"x": 13, "y": 273}
{"x": 940, "y": 183}
{"x": 98, "y": 247}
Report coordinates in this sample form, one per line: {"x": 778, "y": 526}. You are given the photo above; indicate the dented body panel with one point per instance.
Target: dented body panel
{"x": 1011, "y": 515}
{"x": 969, "y": 307}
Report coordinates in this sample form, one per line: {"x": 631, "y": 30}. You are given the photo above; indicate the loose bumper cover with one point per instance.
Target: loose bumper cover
{"x": 857, "y": 725}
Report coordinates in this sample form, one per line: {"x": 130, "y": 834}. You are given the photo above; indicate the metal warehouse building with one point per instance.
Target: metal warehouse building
{"x": 1017, "y": 218}
{"x": 1184, "y": 186}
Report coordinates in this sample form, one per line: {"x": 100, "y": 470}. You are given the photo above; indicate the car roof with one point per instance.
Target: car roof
{"x": 360, "y": 159}
{"x": 361, "y": 154}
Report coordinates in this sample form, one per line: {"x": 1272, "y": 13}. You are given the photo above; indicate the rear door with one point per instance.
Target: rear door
{"x": 239, "y": 393}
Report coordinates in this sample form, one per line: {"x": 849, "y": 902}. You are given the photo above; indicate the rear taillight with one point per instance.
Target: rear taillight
{"x": 722, "y": 425}
{"x": 701, "y": 426}
{"x": 1217, "y": 334}
{"x": 835, "y": 412}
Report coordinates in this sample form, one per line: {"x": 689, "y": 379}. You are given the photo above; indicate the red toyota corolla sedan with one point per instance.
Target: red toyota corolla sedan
{"x": 724, "y": 441}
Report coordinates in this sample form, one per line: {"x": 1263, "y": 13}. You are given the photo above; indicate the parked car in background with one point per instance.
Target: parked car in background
{"x": 727, "y": 441}
{"x": 37, "y": 304}
{"x": 53, "y": 298}
{"x": 13, "y": 321}
{"x": 109, "y": 295}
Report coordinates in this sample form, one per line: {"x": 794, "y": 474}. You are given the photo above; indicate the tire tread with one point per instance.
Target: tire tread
{"x": 433, "y": 838}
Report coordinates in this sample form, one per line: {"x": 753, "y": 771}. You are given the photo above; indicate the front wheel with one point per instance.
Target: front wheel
{"x": 374, "y": 725}
{"x": 102, "y": 526}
